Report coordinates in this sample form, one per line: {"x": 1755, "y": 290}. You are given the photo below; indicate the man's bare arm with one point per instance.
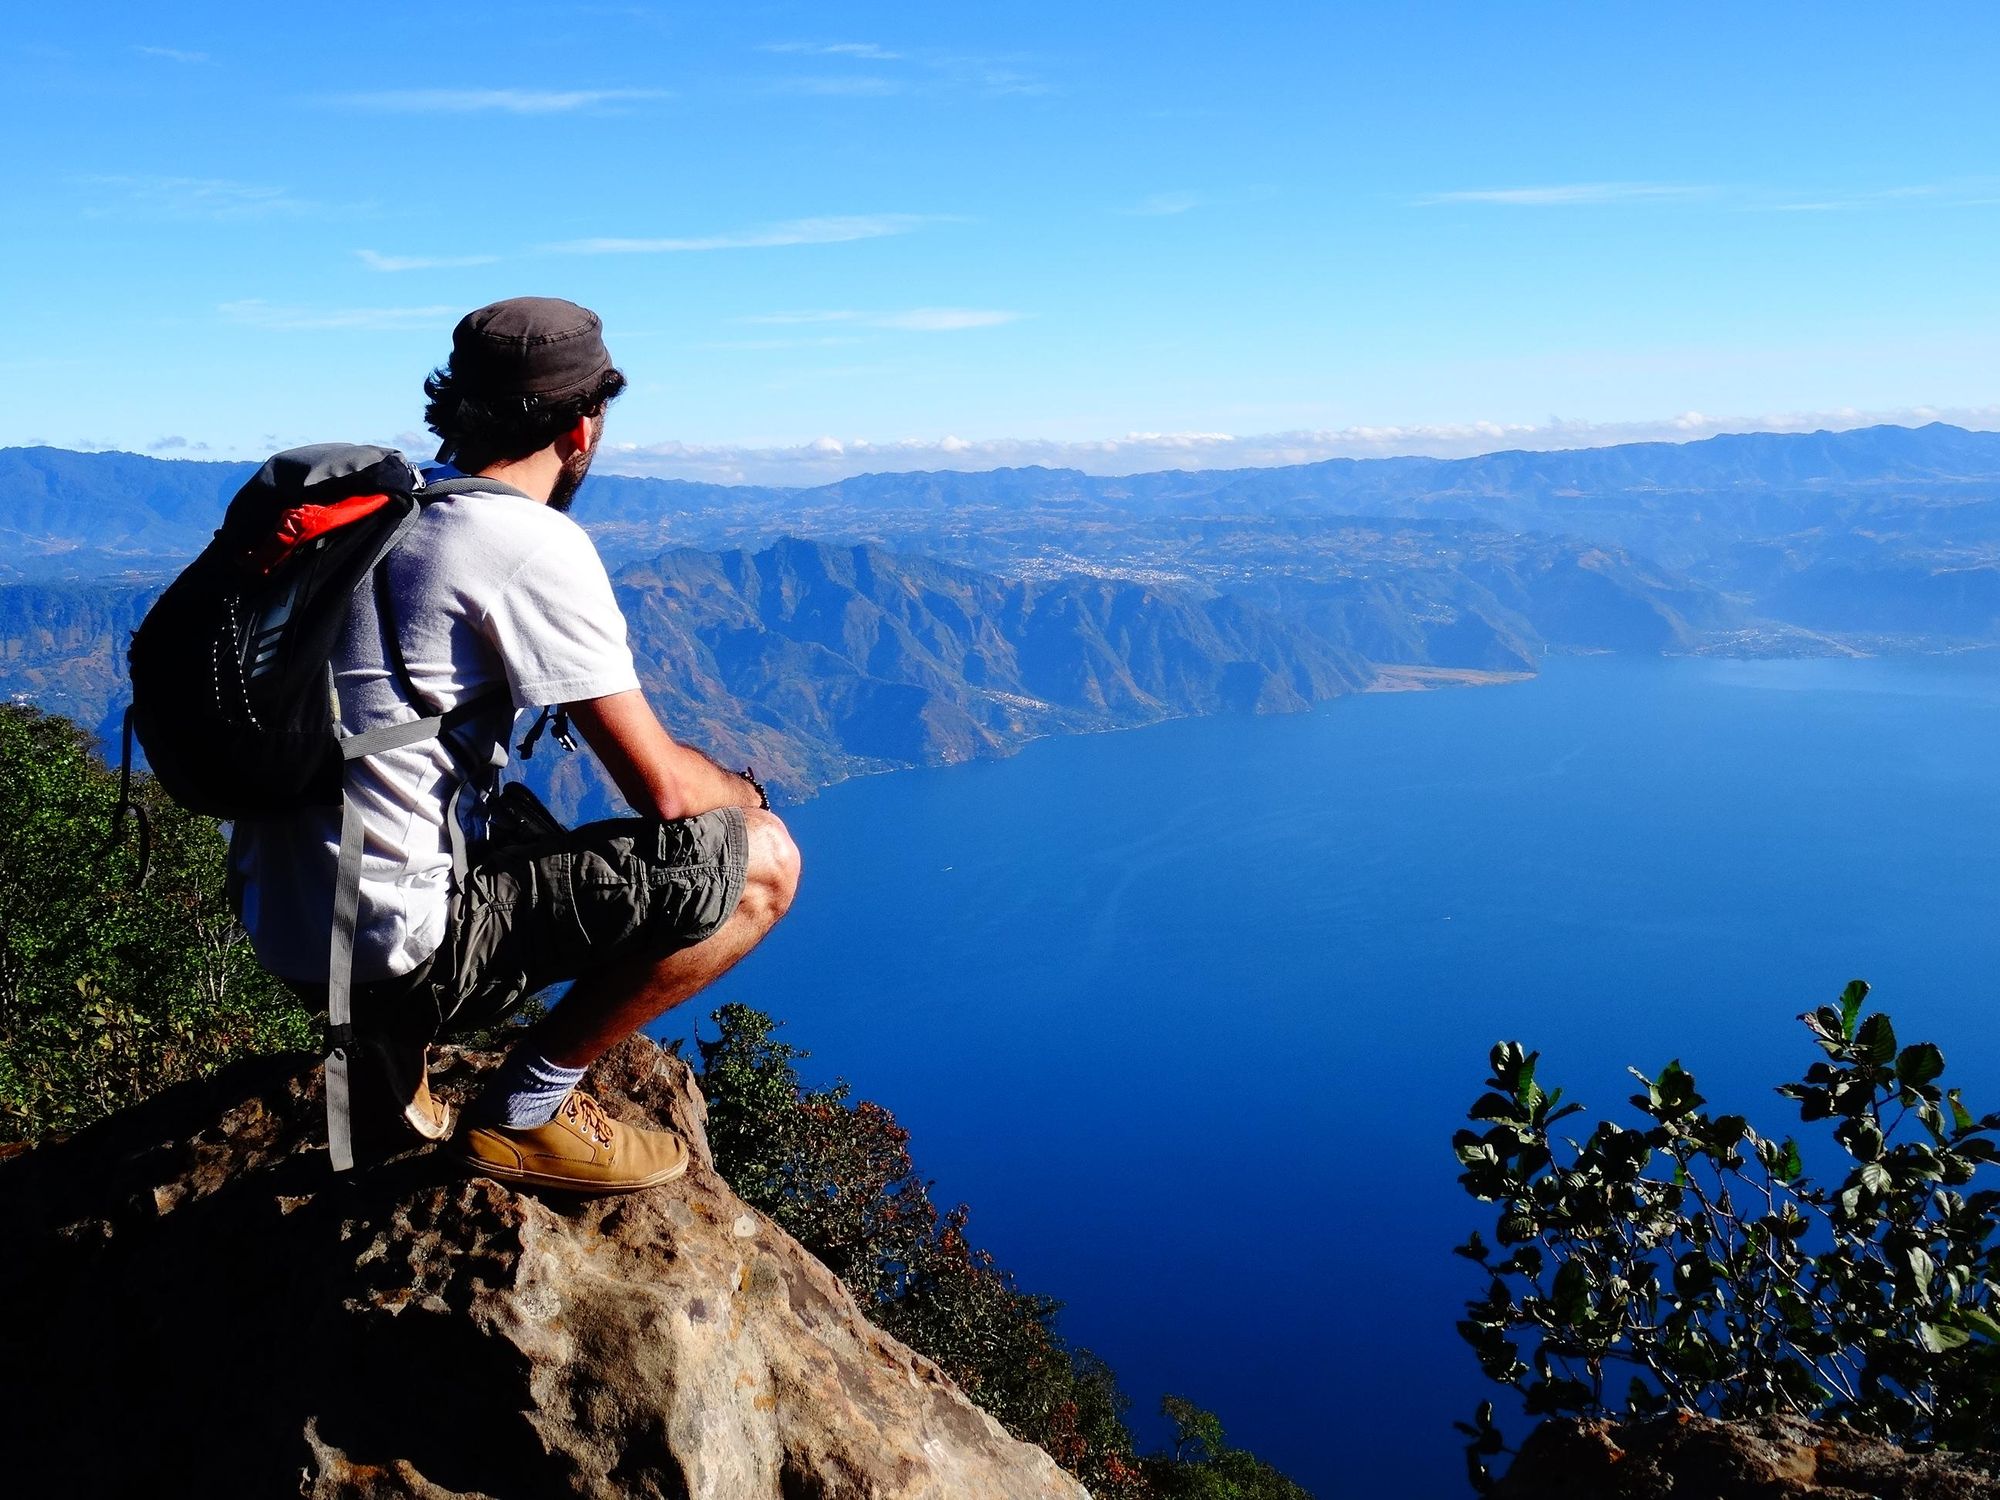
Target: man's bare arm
{"x": 657, "y": 775}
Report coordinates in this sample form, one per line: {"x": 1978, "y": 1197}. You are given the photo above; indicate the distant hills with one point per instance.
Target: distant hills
{"x": 905, "y": 618}
{"x": 84, "y": 513}
{"x": 814, "y": 661}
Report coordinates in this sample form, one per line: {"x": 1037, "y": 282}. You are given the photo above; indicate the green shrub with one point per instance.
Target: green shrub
{"x": 1699, "y": 1255}
{"x": 837, "y": 1175}
{"x": 109, "y": 993}
{"x": 1204, "y": 1467}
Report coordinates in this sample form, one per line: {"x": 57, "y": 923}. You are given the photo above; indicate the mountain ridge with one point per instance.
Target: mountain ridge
{"x": 190, "y": 492}
{"x": 815, "y": 661}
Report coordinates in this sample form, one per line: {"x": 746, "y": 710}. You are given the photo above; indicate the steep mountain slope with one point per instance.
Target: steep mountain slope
{"x": 62, "y": 646}
{"x": 816, "y": 660}
{"x": 813, "y": 662}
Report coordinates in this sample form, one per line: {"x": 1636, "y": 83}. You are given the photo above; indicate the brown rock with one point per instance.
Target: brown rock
{"x": 197, "y": 1306}
{"x": 1689, "y": 1457}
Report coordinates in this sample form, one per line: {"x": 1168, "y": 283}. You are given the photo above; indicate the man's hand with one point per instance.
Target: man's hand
{"x": 658, "y": 776}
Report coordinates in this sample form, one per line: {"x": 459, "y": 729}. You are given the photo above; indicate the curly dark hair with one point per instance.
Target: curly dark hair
{"x": 479, "y": 430}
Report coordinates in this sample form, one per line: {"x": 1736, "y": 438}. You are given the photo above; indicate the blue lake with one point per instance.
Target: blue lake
{"x": 1190, "y": 1014}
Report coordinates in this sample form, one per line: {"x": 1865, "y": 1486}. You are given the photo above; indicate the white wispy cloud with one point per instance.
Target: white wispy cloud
{"x": 915, "y": 70}
{"x": 836, "y": 229}
{"x": 377, "y": 262}
{"x": 494, "y": 101}
{"x": 861, "y": 51}
{"x": 1970, "y": 192}
{"x": 842, "y": 86}
{"x": 217, "y": 198}
{"x": 254, "y": 312}
{"x": 765, "y": 346}
{"x": 824, "y": 459}
{"x": 1162, "y": 204}
{"x": 915, "y": 320}
{"x": 1567, "y": 194}
{"x": 1755, "y": 198}
{"x": 174, "y": 54}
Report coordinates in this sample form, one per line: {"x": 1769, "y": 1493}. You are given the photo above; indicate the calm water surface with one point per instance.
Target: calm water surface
{"x": 1189, "y": 1014}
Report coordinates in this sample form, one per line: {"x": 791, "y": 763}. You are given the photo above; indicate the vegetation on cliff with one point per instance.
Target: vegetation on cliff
{"x": 837, "y": 1175}
{"x": 111, "y": 990}
{"x": 1698, "y": 1254}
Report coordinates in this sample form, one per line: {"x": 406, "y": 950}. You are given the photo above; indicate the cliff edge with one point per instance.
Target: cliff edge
{"x": 198, "y": 1306}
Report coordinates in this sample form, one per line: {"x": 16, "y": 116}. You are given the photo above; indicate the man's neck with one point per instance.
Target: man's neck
{"x": 534, "y": 476}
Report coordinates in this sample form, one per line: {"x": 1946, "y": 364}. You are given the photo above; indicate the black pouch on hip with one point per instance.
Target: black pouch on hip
{"x": 518, "y": 817}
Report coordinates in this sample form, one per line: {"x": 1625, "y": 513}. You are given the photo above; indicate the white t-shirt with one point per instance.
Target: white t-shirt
{"x": 488, "y": 589}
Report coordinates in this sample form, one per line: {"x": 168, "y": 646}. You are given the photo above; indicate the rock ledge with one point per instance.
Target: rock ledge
{"x": 197, "y": 1306}
{"x": 1689, "y": 1457}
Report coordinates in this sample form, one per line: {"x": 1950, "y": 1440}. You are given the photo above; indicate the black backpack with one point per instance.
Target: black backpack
{"x": 233, "y": 693}
{"x": 231, "y": 688}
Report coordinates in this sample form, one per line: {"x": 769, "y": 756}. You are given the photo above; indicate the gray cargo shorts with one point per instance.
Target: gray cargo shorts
{"x": 531, "y": 915}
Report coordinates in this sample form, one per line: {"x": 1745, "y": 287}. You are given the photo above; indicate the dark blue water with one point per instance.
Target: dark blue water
{"x": 1189, "y": 1014}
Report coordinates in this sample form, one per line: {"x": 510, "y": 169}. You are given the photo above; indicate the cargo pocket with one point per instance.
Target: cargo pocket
{"x": 607, "y": 899}
{"x": 491, "y": 947}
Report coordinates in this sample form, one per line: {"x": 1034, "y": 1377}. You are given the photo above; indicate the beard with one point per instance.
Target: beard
{"x": 574, "y": 469}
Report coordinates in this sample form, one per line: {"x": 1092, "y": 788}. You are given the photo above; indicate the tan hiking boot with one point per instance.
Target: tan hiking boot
{"x": 398, "y": 1082}
{"x": 582, "y": 1150}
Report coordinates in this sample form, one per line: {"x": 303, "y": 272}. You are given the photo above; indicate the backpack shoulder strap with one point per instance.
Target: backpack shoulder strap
{"x": 346, "y": 914}
{"x": 469, "y": 484}
{"x": 431, "y": 724}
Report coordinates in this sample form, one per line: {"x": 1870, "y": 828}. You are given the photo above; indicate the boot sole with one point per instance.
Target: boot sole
{"x": 566, "y": 1184}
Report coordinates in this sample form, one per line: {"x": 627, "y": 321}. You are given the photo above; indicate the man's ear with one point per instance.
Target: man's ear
{"x": 580, "y": 435}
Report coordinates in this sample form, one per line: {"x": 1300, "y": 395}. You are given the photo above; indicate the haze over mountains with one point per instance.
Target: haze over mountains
{"x": 907, "y": 618}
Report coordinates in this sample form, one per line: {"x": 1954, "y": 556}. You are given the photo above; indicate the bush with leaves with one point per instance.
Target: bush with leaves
{"x": 111, "y": 991}
{"x": 1202, "y": 1466}
{"x": 1699, "y": 1255}
{"x": 836, "y": 1174}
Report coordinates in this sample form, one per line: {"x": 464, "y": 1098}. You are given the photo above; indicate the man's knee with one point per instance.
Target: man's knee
{"x": 772, "y": 877}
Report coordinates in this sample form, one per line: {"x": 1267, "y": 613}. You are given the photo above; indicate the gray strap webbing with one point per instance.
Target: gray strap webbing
{"x": 470, "y": 484}
{"x": 347, "y": 874}
{"x": 346, "y": 913}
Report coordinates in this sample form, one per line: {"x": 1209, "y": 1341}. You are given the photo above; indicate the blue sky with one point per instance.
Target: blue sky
{"x": 832, "y": 238}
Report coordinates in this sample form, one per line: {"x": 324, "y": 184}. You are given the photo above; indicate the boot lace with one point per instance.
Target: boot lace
{"x": 588, "y": 1116}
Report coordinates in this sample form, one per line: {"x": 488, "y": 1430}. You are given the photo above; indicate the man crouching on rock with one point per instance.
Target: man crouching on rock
{"x": 498, "y": 587}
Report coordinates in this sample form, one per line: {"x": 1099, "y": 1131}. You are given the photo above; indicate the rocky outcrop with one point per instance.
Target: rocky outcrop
{"x": 1690, "y": 1457}
{"x": 197, "y": 1306}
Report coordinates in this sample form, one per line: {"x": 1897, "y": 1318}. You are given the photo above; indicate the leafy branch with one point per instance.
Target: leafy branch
{"x": 1696, "y": 1255}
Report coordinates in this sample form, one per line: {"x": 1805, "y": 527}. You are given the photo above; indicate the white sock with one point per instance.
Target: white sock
{"x": 526, "y": 1090}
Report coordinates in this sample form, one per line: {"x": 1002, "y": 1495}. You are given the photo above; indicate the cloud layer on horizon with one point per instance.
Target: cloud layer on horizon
{"x": 826, "y": 459}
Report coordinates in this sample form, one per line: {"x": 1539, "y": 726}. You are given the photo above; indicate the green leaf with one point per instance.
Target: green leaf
{"x": 1921, "y": 1267}
{"x": 1570, "y": 1299}
{"x": 1861, "y": 1136}
{"x": 1526, "y": 1093}
{"x": 1936, "y": 1338}
{"x": 1878, "y": 1038}
{"x": 1961, "y": 1117}
{"x": 1981, "y": 1322}
{"x": 1919, "y": 1064}
{"x": 1851, "y": 1000}
{"x": 1789, "y": 1164}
